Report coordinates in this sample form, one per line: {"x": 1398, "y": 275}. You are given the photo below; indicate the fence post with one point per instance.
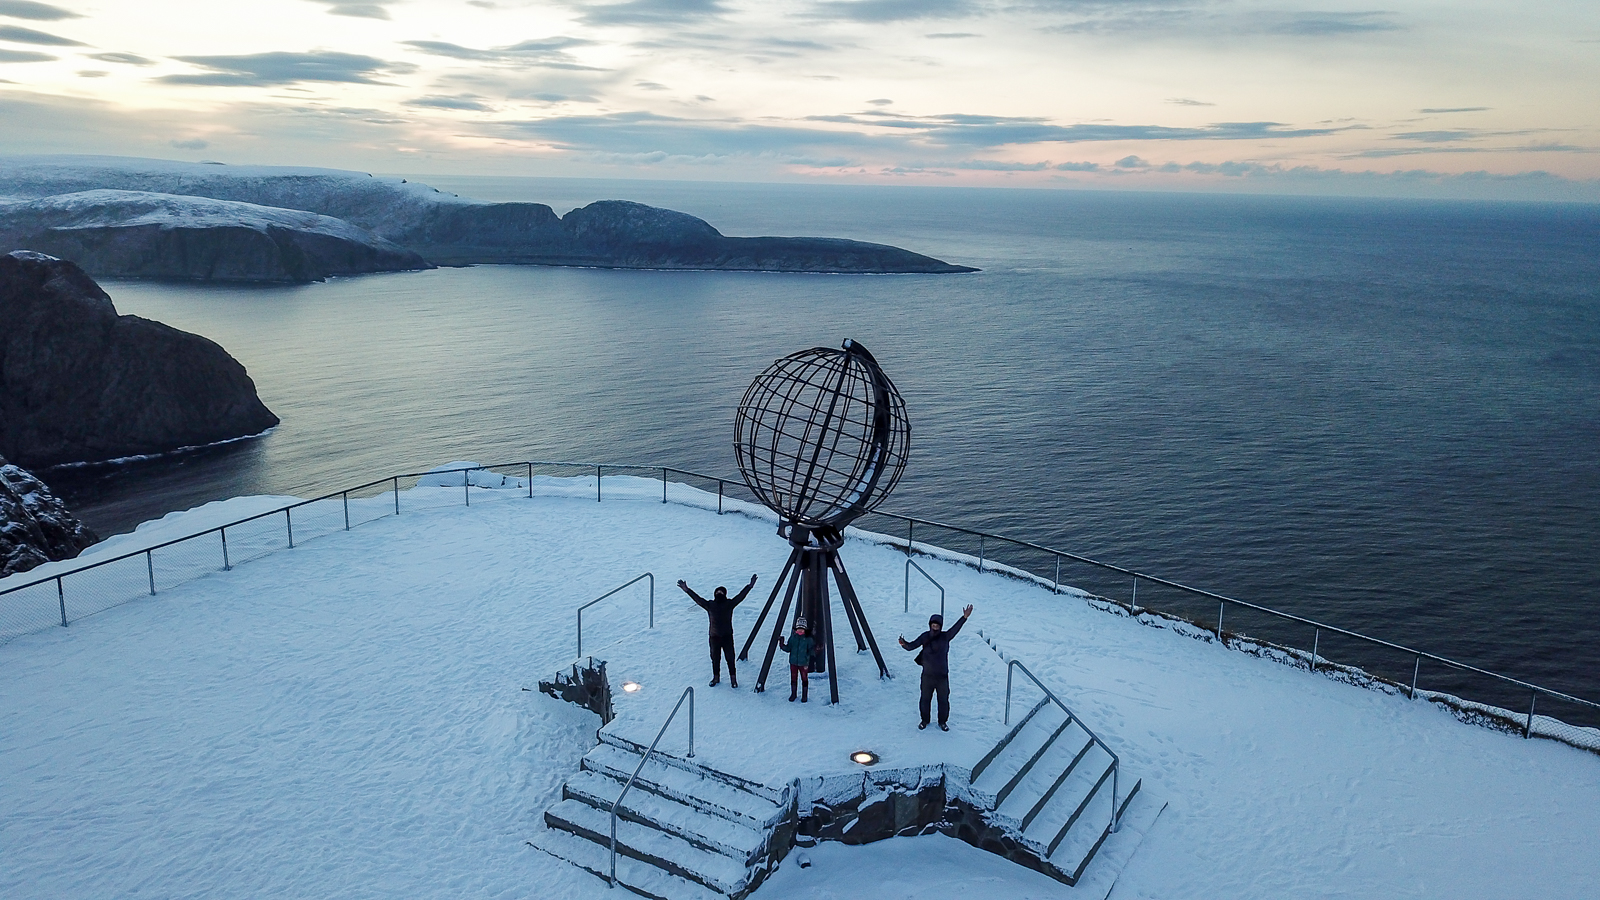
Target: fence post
{"x": 466, "y": 488}
{"x": 288, "y": 524}
{"x": 1221, "y": 607}
{"x": 1055, "y": 582}
{"x": 530, "y": 481}
{"x": 1316, "y": 638}
{"x": 719, "y": 496}
{"x": 226, "y": 565}
{"x": 61, "y": 595}
{"x": 150, "y": 569}
{"x": 396, "y": 480}
{"x": 1527, "y": 731}
{"x": 663, "y": 484}
{"x": 1414, "y": 672}
{"x": 1135, "y": 602}
{"x": 597, "y": 484}
{"x": 346, "y": 496}
{"x": 980, "y": 553}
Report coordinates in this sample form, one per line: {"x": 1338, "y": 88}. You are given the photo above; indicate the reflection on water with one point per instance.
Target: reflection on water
{"x": 1382, "y": 415}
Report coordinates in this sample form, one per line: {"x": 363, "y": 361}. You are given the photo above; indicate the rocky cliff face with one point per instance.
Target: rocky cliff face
{"x": 134, "y": 234}
{"x": 35, "y": 527}
{"x": 450, "y": 230}
{"x": 79, "y": 383}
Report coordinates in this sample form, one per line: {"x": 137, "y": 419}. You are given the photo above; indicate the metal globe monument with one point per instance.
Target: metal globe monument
{"x": 821, "y": 438}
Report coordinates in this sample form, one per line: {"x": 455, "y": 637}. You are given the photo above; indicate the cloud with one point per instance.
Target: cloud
{"x": 1316, "y": 24}
{"x": 1456, "y": 109}
{"x": 549, "y": 53}
{"x": 92, "y": 73}
{"x": 1436, "y": 137}
{"x": 1185, "y": 101}
{"x": 1131, "y": 162}
{"x": 192, "y": 144}
{"x": 128, "y": 59}
{"x": 999, "y": 165}
{"x": 1193, "y": 19}
{"x": 371, "y": 10}
{"x": 891, "y": 10}
{"x": 650, "y": 12}
{"x": 993, "y": 131}
{"x": 1077, "y": 167}
{"x": 881, "y": 101}
{"x": 951, "y": 35}
{"x": 468, "y": 102}
{"x": 23, "y": 56}
{"x": 39, "y": 12}
{"x": 279, "y": 68}
{"x": 15, "y": 34}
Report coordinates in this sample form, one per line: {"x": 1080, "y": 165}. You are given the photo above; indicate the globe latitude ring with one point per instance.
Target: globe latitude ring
{"x": 821, "y": 437}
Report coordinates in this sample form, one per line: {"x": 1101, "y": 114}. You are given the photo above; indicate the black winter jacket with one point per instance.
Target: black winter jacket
{"x": 720, "y": 611}
{"x": 936, "y": 648}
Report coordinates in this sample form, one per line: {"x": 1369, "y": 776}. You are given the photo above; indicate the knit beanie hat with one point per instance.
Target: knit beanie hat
{"x": 936, "y": 619}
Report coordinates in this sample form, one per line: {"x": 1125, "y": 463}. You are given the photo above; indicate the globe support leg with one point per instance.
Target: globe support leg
{"x": 827, "y": 620}
{"x": 847, "y": 594}
{"x": 851, "y": 611}
{"x": 777, "y": 626}
{"x": 777, "y": 586}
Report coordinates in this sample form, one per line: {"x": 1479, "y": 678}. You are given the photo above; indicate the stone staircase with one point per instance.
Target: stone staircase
{"x": 684, "y": 832}
{"x": 1049, "y": 786}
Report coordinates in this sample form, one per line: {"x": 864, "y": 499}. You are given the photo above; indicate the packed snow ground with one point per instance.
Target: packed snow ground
{"x": 349, "y": 719}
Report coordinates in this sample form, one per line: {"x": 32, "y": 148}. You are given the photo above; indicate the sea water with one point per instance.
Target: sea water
{"x": 1383, "y": 415}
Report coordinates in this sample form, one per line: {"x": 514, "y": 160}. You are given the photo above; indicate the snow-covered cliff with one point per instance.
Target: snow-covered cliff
{"x": 444, "y": 228}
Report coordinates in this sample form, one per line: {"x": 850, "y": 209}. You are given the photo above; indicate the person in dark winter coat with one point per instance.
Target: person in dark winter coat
{"x": 799, "y": 647}
{"x": 935, "y": 660}
{"x": 720, "y": 610}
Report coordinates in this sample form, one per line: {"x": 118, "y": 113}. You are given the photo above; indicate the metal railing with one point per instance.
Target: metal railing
{"x": 688, "y": 693}
{"x": 635, "y": 581}
{"x": 912, "y": 564}
{"x": 1116, "y": 764}
{"x": 150, "y": 576}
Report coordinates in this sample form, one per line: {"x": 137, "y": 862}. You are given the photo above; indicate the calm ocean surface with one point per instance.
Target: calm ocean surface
{"x": 1384, "y": 415}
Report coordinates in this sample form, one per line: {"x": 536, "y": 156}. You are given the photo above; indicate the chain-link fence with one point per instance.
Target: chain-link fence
{"x": 1470, "y": 693}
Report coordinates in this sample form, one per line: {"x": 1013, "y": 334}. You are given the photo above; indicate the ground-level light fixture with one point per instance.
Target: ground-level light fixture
{"x": 864, "y": 757}
{"x": 631, "y": 687}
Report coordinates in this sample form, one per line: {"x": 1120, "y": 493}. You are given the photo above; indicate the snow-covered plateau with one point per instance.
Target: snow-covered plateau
{"x": 353, "y": 718}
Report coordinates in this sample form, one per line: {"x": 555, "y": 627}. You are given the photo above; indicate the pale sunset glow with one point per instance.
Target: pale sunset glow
{"x": 1325, "y": 96}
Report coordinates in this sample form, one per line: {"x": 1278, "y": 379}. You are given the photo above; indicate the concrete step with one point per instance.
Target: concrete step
{"x": 649, "y": 845}
{"x": 706, "y": 794}
{"x": 1096, "y": 873}
{"x": 1086, "y": 817}
{"x": 638, "y": 877}
{"x": 1018, "y": 757}
{"x": 739, "y": 840}
{"x": 1004, "y": 742}
{"x": 1052, "y": 781}
{"x": 776, "y": 795}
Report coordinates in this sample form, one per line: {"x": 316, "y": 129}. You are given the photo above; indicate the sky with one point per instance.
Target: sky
{"x": 1461, "y": 98}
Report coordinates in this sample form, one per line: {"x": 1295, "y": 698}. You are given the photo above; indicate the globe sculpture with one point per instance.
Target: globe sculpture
{"x": 821, "y": 438}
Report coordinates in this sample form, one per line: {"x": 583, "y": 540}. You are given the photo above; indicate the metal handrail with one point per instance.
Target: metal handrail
{"x": 687, "y": 692}
{"x": 635, "y": 581}
{"x": 1116, "y": 764}
{"x": 911, "y": 522}
{"x": 912, "y": 564}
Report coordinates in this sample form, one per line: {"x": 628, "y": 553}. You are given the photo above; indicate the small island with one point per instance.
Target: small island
{"x": 140, "y": 218}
